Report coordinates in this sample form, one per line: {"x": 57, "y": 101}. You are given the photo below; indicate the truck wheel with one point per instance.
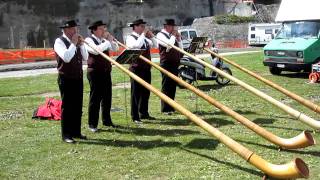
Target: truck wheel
{"x": 275, "y": 70}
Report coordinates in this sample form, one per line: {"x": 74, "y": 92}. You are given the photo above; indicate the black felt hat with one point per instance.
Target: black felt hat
{"x": 137, "y": 22}
{"x": 68, "y": 24}
{"x": 169, "y": 22}
{"x": 96, "y": 24}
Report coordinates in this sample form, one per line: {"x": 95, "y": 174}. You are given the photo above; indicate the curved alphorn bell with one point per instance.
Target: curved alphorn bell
{"x": 289, "y": 110}
{"x": 294, "y": 169}
{"x": 302, "y": 140}
{"x": 312, "y": 106}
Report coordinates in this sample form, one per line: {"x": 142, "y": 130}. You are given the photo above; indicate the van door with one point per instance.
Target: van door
{"x": 185, "y": 39}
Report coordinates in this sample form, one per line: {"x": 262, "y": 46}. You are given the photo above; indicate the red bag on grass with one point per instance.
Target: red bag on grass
{"x": 51, "y": 110}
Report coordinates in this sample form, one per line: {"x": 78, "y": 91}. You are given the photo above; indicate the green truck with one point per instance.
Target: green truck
{"x": 297, "y": 45}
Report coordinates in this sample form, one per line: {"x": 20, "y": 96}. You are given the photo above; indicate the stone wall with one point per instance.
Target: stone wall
{"x": 220, "y": 32}
{"x": 35, "y": 23}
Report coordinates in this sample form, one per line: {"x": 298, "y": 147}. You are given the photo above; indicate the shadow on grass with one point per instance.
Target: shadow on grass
{"x": 222, "y": 113}
{"x": 313, "y": 153}
{"x": 296, "y": 75}
{"x": 136, "y": 144}
{"x": 198, "y": 143}
{"x": 263, "y": 121}
{"x": 209, "y": 87}
{"x": 217, "y": 122}
{"x": 276, "y": 127}
{"x": 251, "y": 171}
{"x": 170, "y": 122}
{"x": 150, "y": 132}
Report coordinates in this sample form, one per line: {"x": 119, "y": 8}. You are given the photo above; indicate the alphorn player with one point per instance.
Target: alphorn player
{"x": 143, "y": 39}
{"x": 169, "y": 60}
{"x": 99, "y": 75}
{"x": 70, "y": 52}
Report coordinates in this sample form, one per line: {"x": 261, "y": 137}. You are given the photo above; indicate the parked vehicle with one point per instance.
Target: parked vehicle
{"x": 297, "y": 45}
{"x": 187, "y": 34}
{"x": 262, "y": 33}
{"x": 191, "y": 71}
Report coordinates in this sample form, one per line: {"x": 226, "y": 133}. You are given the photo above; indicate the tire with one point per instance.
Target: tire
{"x": 222, "y": 80}
{"x": 180, "y": 70}
{"x": 275, "y": 70}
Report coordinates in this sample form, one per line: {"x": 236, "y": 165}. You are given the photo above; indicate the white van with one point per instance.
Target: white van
{"x": 187, "y": 34}
{"x": 262, "y": 33}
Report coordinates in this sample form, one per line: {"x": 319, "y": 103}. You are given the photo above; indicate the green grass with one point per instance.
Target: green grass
{"x": 171, "y": 147}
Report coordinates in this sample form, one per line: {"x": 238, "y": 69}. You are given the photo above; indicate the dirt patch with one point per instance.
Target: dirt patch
{"x": 121, "y": 85}
{"x": 49, "y": 94}
{"x": 10, "y": 115}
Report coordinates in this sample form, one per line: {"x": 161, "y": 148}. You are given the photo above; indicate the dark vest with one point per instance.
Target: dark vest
{"x": 140, "y": 64}
{"x": 73, "y": 69}
{"x": 98, "y": 63}
{"x": 172, "y": 57}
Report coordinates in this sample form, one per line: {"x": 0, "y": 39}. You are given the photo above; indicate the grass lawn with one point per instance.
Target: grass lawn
{"x": 171, "y": 147}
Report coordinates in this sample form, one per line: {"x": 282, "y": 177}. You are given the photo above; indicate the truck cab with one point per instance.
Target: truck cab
{"x": 187, "y": 34}
{"x": 297, "y": 45}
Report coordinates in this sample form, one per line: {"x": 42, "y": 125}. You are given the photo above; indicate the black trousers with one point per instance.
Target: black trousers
{"x": 71, "y": 91}
{"x": 168, "y": 87}
{"x": 140, "y": 95}
{"x": 100, "y": 95}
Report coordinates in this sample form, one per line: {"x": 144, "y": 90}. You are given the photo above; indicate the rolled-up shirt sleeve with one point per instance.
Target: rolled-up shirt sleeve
{"x": 164, "y": 41}
{"x": 114, "y": 46}
{"x": 152, "y": 42}
{"x": 84, "y": 52}
{"x": 66, "y": 54}
{"x": 132, "y": 43}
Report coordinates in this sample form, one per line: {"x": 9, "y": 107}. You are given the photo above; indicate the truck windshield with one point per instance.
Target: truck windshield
{"x": 302, "y": 29}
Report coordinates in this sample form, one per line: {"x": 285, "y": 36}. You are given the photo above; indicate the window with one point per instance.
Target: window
{"x": 192, "y": 34}
{"x": 184, "y": 35}
{"x": 253, "y": 36}
{"x": 268, "y": 31}
{"x": 253, "y": 28}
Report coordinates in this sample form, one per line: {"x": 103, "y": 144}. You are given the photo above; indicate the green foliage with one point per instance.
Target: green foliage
{"x": 233, "y": 19}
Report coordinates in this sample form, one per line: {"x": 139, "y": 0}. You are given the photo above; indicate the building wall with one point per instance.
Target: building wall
{"x": 35, "y": 23}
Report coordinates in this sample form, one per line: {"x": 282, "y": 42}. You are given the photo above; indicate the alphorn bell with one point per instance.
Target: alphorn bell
{"x": 294, "y": 169}
{"x": 303, "y": 140}
{"x": 289, "y": 110}
{"x": 314, "y": 107}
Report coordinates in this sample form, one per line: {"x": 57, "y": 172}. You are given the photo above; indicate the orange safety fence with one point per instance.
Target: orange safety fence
{"x": 34, "y": 55}
{"x": 232, "y": 44}
{"x": 15, "y": 56}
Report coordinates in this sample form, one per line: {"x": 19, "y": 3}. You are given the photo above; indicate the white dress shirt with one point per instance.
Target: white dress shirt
{"x": 132, "y": 43}
{"x": 170, "y": 41}
{"x": 104, "y": 45}
{"x": 66, "y": 54}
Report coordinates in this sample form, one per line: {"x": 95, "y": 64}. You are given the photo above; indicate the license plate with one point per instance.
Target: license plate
{"x": 280, "y": 65}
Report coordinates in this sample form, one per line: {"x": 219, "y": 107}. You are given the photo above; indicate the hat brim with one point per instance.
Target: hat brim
{"x": 91, "y": 27}
{"x": 170, "y": 24}
{"x": 135, "y": 24}
{"x": 62, "y": 27}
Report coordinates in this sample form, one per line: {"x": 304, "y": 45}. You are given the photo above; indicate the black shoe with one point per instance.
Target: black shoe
{"x": 80, "y": 136}
{"x": 93, "y": 129}
{"x": 109, "y": 125}
{"x": 147, "y": 117}
{"x": 137, "y": 121}
{"x": 168, "y": 113}
{"x": 69, "y": 140}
